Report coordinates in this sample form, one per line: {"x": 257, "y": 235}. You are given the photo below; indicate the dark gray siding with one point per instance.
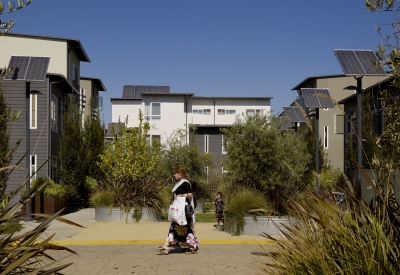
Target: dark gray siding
{"x": 14, "y": 92}
{"x": 214, "y": 146}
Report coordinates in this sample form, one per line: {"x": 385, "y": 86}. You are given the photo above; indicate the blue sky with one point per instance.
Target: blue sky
{"x": 255, "y": 48}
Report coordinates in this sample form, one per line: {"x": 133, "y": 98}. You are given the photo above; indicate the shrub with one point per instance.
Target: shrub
{"x": 241, "y": 202}
{"x": 355, "y": 240}
{"x": 50, "y": 189}
{"x": 102, "y": 199}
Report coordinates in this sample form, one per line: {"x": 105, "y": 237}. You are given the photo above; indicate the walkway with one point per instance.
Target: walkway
{"x": 120, "y": 248}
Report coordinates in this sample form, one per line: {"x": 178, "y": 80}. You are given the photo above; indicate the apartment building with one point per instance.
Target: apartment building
{"x": 331, "y": 121}
{"x": 167, "y": 112}
{"x": 62, "y": 83}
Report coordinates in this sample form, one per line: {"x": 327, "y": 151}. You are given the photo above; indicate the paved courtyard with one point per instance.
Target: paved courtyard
{"x": 120, "y": 248}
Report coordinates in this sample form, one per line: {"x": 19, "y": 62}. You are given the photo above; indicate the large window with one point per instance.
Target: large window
{"x": 207, "y": 111}
{"x": 33, "y": 166}
{"x": 206, "y": 143}
{"x": 325, "y": 136}
{"x": 224, "y": 152}
{"x": 53, "y": 169}
{"x": 252, "y": 112}
{"x": 226, "y": 112}
{"x": 33, "y": 111}
{"x": 197, "y": 111}
{"x": 53, "y": 113}
{"x": 152, "y": 111}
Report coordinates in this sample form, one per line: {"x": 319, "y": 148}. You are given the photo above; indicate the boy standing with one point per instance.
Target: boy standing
{"x": 219, "y": 210}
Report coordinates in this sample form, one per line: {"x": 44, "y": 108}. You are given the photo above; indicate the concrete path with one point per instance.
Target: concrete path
{"x": 120, "y": 248}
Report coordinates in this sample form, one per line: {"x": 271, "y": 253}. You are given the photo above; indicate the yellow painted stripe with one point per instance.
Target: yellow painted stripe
{"x": 133, "y": 242}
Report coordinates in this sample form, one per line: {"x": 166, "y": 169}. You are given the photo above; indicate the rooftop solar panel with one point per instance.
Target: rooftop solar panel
{"x": 294, "y": 114}
{"x": 358, "y": 62}
{"x": 313, "y": 100}
{"x": 29, "y": 68}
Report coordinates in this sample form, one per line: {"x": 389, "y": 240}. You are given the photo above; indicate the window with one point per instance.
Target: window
{"x": 152, "y": 111}
{"x": 75, "y": 77}
{"x": 339, "y": 124}
{"x": 224, "y": 152}
{"x": 53, "y": 113}
{"x": 155, "y": 139}
{"x": 53, "y": 169}
{"x": 230, "y": 112}
{"x": 207, "y": 111}
{"x": 100, "y": 102}
{"x": 33, "y": 111}
{"x": 197, "y": 112}
{"x": 33, "y": 166}
{"x": 325, "y": 136}
{"x": 221, "y": 111}
{"x": 252, "y": 112}
{"x": 206, "y": 145}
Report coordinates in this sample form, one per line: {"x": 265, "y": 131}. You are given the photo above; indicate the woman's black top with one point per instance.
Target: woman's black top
{"x": 183, "y": 188}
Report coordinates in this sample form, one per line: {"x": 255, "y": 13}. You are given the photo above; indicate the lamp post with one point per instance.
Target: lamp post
{"x": 28, "y": 92}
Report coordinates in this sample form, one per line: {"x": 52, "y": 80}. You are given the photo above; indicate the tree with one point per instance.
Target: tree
{"x": 177, "y": 152}
{"x": 128, "y": 161}
{"x": 73, "y": 155}
{"x": 6, "y": 116}
{"x": 6, "y": 26}
{"x": 263, "y": 156}
{"x": 93, "y": 142}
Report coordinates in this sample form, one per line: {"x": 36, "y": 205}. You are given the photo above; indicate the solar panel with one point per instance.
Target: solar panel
{"x": 29, "y": 68}
{"x": 294, "y": 114}
{"x": 312, "y": 100}
{"x": 358, "y": 62}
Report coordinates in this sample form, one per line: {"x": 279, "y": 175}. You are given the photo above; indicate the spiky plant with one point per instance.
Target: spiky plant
{"x": 329, "y": 239}
{"x": 23, "y": 253}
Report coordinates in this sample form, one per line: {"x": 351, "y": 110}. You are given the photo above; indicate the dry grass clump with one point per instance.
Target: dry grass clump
{"x": 359, "y": 239}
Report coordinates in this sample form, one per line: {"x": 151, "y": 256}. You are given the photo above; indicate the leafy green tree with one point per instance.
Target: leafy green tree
{"x": 128, "y": 161}
{"x": 93, "y": 140}
{"x": 177, "y": 152}
{"x": 263, "y": 156}
{"x": 129, "y": 153}
{"x": 6, "y": 116}
{"x": 73, "y": 155}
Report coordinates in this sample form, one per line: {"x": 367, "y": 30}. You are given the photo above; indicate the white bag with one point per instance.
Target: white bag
{"x": 176, "y": 212}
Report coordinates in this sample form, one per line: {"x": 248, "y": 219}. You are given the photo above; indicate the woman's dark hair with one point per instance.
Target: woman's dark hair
{"x": 220, "y": 194}
{"x": 182, "y": 171}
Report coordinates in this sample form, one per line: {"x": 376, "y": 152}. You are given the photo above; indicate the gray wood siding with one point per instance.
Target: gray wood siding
{"x": 14, "y": 92}
{"x": 214, "y": 146}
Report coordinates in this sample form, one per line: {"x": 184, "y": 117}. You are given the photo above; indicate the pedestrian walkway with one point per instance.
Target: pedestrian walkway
{"x": 130, "y": 248}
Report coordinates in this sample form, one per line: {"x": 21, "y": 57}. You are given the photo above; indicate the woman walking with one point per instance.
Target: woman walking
{"x": 182, "y": 235}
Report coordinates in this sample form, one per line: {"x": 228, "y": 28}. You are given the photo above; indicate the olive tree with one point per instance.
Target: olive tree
{"x": 263, "y": 156}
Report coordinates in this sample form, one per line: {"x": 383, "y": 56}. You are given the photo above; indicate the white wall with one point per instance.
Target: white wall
{"x": 56, "y": 50}
{"x": 122, "y": 108}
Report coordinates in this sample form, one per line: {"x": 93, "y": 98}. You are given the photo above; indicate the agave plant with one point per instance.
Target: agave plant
{"x": 332, "y": 239}
{"x": 23, "y": 253}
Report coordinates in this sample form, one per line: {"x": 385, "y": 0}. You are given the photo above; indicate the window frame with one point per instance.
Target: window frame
{"x": 223, "y": 152}
{"x": 33, "y": 111}
{"x": 53, "y": 112}
{"x": 33, "y": 166}
{"x": 206, "y": 143}
{"x": 326, "y": 137}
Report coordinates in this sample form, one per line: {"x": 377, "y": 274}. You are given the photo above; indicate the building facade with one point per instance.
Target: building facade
{"x": 167, "y": 112}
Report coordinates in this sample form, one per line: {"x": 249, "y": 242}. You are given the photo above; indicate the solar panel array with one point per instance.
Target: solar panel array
{"x": 294, "y": 114}
{"x": 28, "y": 68}
{"x": 317, "y": 98}
{"x": 358, "y": 62}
